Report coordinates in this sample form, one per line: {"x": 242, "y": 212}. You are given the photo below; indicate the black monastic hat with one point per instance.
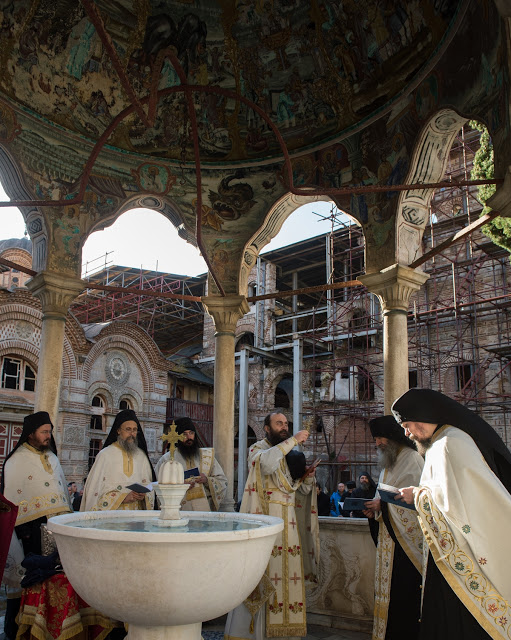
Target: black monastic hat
{"x": 426, "y": 405}
{"x": 184, "y": 424}
{"x": 387, "y": 427}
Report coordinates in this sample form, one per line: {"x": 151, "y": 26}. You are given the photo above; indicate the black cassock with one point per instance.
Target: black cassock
{"x": 405, "y": 592}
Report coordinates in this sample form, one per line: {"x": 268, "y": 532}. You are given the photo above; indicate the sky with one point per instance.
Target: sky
{"x": 145, "y": 238}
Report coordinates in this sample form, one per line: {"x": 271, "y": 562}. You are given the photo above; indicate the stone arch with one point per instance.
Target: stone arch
{"x": 271, "y": 226}
{"x": 244, "y": 338}
{"x": 133, "y": 340}
{"x": 16, "y": 188}
{"x": 133, "y": 399}
{"x": 25, "y": 350}
{"x": 100, "y": 389}
{"x": 163, "y": 204}
{"x": 69, "y": 368}
{"x": 284, "y": 399}
{"x": 428, "y": 163}
{"x": 25, "y": 308}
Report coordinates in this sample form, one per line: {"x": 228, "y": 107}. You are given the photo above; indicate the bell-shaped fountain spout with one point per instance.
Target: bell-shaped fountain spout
{"x": 171, "y": 489}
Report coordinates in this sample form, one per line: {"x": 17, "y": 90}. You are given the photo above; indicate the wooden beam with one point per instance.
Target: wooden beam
{"x": 454, "y": 238}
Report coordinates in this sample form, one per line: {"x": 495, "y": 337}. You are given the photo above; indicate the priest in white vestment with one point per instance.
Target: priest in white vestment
{"x": 122, "y": 462}
{"x": 32, "y": 479}
{"x": 464, "y": 507}
{"x": 277, "y": 486}
{"x": 206, "y": 478}
{"x": 398, "y": 574}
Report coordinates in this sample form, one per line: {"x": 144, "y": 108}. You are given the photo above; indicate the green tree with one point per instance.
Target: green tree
{"x": 499, "y": 229}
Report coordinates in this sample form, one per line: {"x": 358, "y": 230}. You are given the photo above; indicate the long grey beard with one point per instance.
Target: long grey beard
{"x": 387, "y": 456}
{"x": 129, "y": 447}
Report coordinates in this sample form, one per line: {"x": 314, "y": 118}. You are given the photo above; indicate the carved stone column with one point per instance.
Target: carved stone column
{"x": 394, "y": 286}
{"x": 56, "y": 292}
{"x": 225, "y": 312}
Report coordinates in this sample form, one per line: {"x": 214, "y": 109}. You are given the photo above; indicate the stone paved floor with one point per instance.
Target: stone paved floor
{"x": 215, "y": 631}
{"x": 314, "y": 633}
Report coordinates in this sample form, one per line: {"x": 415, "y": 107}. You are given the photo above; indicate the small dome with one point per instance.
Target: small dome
{"x": 16, "y": 243}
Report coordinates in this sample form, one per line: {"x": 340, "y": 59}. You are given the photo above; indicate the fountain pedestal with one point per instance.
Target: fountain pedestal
{"x": 183, "y": 632}
{"x": 170, "y": 497}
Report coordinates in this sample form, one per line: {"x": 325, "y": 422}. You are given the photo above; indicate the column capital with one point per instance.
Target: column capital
{"x": 225, "y": 311}
{"x": 394, "y": 286}
{"x": 55, "y": 291}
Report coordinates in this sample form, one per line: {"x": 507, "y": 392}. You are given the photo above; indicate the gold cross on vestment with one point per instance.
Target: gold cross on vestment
{"x": 172, "y": 438}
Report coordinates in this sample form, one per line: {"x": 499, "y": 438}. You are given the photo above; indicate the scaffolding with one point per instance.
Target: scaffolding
{"x": 458, "y": 324}
{"x": 172, "y": 323}
{"x": 330, "y": 341}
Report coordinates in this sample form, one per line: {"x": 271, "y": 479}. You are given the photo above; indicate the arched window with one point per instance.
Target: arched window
{"x": 17, "y": 374}
{"x": 245, "y": 338}
{"x": 284, "y": 393}
{"x": 124, "y": 404}
{"x": 97, "y": 413}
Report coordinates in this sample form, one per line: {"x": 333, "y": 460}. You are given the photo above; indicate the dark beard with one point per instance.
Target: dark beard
{"x": 365, "y": 485}
{"x": 276, "y": 438}
{"x": 423, "y": 446}
{"x": 129, "y": 447}
{"x": 387, "y": 456}
{"x": 188, "y": 450}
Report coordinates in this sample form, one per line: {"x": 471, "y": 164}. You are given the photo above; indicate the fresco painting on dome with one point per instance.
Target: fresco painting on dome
{"x": 224, "y": 258}
{"x": 154, "y": 178}
{"x": 315, "y": 69}
{"x": 64, "y": 255}
{"x": 487, "y": 69}
{"x": 334, "y": 166}
{"x": 9, "y": 128}
{"x": 232, "y": 199}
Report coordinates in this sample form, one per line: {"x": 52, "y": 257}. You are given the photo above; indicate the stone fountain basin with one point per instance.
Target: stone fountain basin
{"x": 164, "y": 578}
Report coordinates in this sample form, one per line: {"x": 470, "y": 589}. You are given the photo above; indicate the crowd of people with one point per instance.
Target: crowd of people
{"x": 437, "y": 515}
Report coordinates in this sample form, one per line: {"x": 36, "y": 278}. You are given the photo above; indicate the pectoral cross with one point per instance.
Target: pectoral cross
{"x": 172, "y": 438}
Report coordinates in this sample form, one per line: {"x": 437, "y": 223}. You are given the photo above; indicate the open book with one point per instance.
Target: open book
{"x": 389, "y": 493}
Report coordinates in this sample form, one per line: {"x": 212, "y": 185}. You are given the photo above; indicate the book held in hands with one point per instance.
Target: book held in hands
{"x": 389, "y": 493}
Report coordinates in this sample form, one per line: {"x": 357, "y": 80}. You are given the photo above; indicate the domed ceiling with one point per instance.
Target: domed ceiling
{"x": 315, "y": 71}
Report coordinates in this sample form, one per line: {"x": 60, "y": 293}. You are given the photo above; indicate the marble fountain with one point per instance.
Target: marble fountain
{"x": 159, "y": 572}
